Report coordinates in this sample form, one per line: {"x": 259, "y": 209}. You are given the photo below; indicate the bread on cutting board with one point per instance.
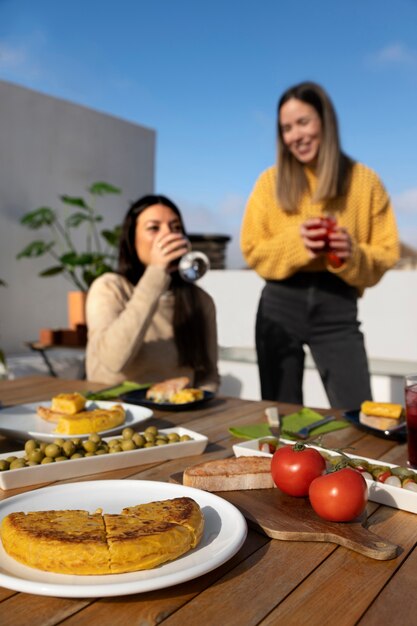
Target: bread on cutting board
{"x": 235, "y": 473}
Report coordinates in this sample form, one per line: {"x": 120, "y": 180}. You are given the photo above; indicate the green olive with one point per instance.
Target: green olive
{"x": 10, "y": 459}
{"x": 185, "y": 438}
{"x": 139, "y": 440}
{"x": 161, "y": 442}
{"x": 103, "y": 447}
{"x": 128, "y": 444}
{"x": 30, "y": 445}
{"x": 101, "y": 451}
{"x": 47, "y": 459}
{"x": 173, "y": 437}
{"x": 95, "y": 437}
{"x": 113, "y": 442}
{"x": 162, "y": 436}
{"x": 59, "y": 442}
{"x": 76, "y": 442}
{"x": 77, "y": 455}
{"x": 68, "y": 448}
{"x": 127, "y": 433}
{"x": 52, "y": 450}
{"x": 17, "y": 464}
{"x": 149, "y": 437}
{"x": 151, "y": 429}
{"x": 89, "y": 446}
{"x": 58, "y": 459}
{"x": 115, "y": 448}
{"x": 90, "y": 454}
{"x": 32, "y": 463}
{"x": 35, "y": 456}
{"x": 42, "y": 446}
{"x": 4, "y": 465}
{"x": 149, "y": 444}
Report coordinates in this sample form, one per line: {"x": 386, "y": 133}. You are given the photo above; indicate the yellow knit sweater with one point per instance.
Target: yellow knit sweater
{"x": 271, "y": 241}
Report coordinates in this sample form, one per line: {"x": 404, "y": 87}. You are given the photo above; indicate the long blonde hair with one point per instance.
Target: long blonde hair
{"x": 332, "y": 165}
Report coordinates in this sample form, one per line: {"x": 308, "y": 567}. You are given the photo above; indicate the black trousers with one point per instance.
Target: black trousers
{"x": 317, "y": 309}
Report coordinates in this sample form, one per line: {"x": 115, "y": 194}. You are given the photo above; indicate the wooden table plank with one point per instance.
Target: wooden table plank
{"x": 268, "y": 581}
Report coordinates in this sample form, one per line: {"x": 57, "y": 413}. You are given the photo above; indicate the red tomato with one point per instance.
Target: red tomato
{"x": 340, "y": 496}
{"x": 294, "y": 467}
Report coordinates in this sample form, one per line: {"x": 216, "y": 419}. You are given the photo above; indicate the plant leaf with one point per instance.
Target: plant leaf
{"x": 43, "y": 216}
{"x": 112, "y": 236}
{"x": 101, "y": 188}
{"x": 73, "y": 259}
{"x": 35, "y": 249}
{"x": 52, "y": 271}
{"x": 76, "y": 219}
{"x": 75, "y": 201}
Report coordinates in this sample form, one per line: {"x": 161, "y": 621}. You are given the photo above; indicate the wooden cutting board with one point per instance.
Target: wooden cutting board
{"x": 293, "y": 519}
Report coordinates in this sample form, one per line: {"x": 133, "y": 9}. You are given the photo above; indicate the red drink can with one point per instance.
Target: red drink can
{"x": 411, "y": 417}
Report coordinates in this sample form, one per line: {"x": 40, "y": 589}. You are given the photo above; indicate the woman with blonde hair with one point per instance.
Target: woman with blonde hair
{"x": 320, "y": 229}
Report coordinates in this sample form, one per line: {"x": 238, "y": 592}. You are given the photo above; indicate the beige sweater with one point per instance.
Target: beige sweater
{"x": 130, "y": 333}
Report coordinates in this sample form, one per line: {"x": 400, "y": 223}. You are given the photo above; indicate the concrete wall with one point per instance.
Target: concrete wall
{"x": 387, "y": 312}
{"x": 48, "y": 148}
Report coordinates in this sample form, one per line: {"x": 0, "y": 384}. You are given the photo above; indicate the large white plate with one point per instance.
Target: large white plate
{"x": 397, "y": 497}
{"x": 52, "y": 472}
{"x": 224, "y": 533}
{"x": 21, "y": 422}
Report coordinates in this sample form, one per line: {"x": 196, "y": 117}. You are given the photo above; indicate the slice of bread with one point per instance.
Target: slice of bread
{"x": 163, "y": 392}
{"x": 244, "y": 472}
{"x": 380, "y": 423}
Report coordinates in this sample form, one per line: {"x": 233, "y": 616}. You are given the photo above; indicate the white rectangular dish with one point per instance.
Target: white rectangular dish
{"x": 73, "y": 468}
{"x": 396, "y": 497}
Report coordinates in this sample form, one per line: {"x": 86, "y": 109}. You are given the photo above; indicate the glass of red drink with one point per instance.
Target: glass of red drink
{"x": 411, "y": 417}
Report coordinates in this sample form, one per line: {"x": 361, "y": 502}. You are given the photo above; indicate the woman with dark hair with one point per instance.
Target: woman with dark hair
{"x": 145, "y": 323}
{"x": 319, "y": 228}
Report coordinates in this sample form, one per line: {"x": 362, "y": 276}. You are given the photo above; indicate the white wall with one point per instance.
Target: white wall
{"x": 48, "y": 148}
{"x": 387, "y": 311}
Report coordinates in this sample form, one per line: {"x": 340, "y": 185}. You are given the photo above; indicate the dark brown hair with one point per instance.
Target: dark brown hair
{"x": 189, "y": 323}
{"x": 333, "y": 165}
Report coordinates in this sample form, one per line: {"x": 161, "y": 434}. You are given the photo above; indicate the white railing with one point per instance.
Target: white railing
{"x": 388, "y": 313}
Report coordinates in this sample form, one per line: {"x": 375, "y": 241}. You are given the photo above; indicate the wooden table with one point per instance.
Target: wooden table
{"x": 268, "y": 581}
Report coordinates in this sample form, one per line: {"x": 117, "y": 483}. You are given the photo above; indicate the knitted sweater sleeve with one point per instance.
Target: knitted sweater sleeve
{"x": 375, "y": 240}
{"x": 117, "y": 320}
{"x": 211, "y": 379}
{"x": 270, "y": 240}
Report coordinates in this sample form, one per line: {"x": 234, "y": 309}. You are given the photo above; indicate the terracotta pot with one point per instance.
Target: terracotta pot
{"x": 76, "y": 308}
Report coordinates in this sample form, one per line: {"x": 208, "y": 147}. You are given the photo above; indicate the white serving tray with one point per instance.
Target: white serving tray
{"x": 73, "y": 468}
{"x": 397, "y": 497}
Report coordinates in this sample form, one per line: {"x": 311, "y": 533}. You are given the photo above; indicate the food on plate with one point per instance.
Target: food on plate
{"x": 339, "y": 496}
{"x": 83, "y": 422}
{"x": 163, "y": 392}
{"x": 69, "y": 403}
{"x": 380, "y": 415}
{"x": 40, "y": 453}
{"x": 92, "y": 421}
{"x": 244, "y": 472}
{"x": 186, "y": 511}
{"x": 78, "y": 542}
{"x": 187, "y": 395}
{"x": 294, "y": 467}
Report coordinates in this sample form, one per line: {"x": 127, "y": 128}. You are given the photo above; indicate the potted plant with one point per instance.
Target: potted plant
{"x": 81, "y": 267}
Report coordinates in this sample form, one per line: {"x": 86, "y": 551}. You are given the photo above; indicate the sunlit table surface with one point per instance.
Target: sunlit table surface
{"x": 268, "y": 581}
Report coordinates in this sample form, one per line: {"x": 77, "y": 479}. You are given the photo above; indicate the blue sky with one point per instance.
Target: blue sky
{"x": 207, "y": 76}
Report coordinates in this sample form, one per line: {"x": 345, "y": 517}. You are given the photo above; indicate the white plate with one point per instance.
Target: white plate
{"x": 21, "y": 422}
{"x": 51, "y": 472}
{"x": 224, "y": 533}
{"x": 397, "y": 497}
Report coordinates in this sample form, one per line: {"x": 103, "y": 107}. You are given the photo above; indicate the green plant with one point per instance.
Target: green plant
{"x": 79, "y": 267}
